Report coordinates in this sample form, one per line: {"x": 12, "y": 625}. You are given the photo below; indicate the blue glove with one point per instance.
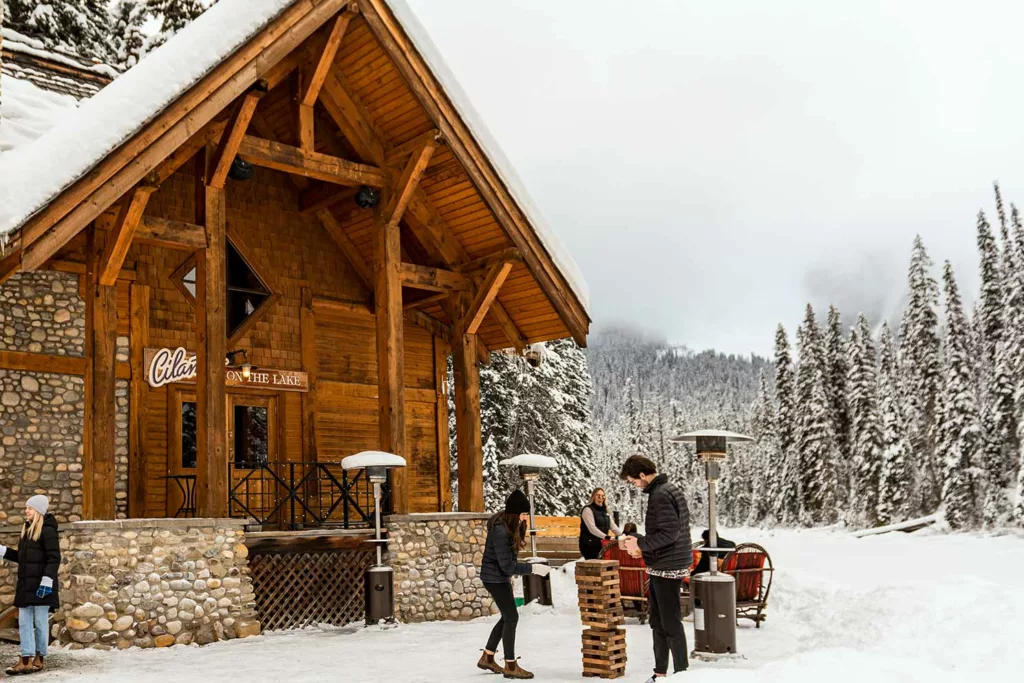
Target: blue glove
{"x": 45, "y": 587}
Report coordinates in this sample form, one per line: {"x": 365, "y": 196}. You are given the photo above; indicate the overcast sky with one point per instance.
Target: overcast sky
{"x": 713, "y": 166}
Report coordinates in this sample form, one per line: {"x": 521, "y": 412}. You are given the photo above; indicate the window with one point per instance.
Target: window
{"x": 248, "y": 294}
{"x": 252, "y": 441}
{"x": 188, "y": 435}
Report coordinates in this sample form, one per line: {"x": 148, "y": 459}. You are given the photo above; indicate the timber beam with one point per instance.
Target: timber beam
{"x": 422, "y": 218}
{"x": 232, "y": 138}
{"x": 324, "y": 196}
{"x": 343, "y": 241}
{"x": 281, "y": 157}
{"x": 318, "y": 74}
{"x": 438, "y": 328}
{"x": 511, "y": 254}
{"x": 485, "y": 295}
{"x": 433, "y": 279}
{"x": 128, "y": 218}
{"x": 171, "y": 234}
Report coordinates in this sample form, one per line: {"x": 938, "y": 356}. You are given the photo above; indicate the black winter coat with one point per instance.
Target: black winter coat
{"x": 500, "y": 558}
{"x": 35, "y": 560}
{"x": 666, "y": 547}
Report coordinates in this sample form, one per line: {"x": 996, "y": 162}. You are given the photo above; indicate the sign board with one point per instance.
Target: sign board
{"x": 168, "y": 366}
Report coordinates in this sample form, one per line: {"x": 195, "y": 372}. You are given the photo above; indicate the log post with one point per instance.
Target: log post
{"x": 100, "y": 378}
{"x": 212, "y": 474}
{"x": 139, "y": 298}
{"x": 307, "y": 325}
{"x": 444, "y": 475}
{"x": 467, "y": 411}
{"x": 390, "y": 352}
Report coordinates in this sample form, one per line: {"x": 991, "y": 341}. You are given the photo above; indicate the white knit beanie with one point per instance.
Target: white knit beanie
{"x": 39, "y": 503}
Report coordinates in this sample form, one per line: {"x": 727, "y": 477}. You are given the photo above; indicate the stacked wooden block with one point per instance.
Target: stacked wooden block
{"x": 604, "y": 639}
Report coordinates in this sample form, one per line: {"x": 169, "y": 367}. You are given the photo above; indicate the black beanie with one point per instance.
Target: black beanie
{"x": 517, "y": 503}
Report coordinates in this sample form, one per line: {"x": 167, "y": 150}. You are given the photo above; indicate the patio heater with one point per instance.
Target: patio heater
{"x": 713, "y": 594}
{"x": 379, "y": 581}
{"x": 531, "y": 465}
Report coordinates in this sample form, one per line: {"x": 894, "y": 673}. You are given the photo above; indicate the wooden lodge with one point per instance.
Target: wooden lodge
{"x": 267, "y": 271}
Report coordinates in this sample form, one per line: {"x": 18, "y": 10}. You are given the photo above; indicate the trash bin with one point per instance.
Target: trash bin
{"x": 714, "y": 613}
{"x": 537, "y": 587}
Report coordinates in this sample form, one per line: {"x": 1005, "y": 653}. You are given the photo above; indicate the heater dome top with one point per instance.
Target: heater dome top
{"x": 372, "y": 459}
{"x": 730, "y": 437}
{"x": 531, "y": 460}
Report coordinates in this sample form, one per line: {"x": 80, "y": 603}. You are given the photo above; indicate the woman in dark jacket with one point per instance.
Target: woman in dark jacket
{"x": 506, "y": 535}
{"x": 35, "y": 596}
{"x": 596, "y": 526}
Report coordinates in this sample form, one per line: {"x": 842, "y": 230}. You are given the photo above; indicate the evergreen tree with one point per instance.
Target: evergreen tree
{"x": 127, "y": 41}
{"x": 784, "y": 487}
{"x": 76, "y": 27}
{"x": 991, "y": 302}
{"x": 768, "y": 465}
{"x": 817, "y": 450}
{"x": 865, "y": 429}
{"x": 919, "y": 350}
{"x": 959, "y": 435}
{"x": 893, "y": 488}
{"x": 835, "y": 388}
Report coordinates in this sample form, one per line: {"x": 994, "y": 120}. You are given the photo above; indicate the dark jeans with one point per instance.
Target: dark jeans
{"x": 590, "y": 548}
{"x": 667, "y": 624}
{"x": 505, "y": 629}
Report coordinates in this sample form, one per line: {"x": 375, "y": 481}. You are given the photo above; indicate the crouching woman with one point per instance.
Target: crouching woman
{"x": 506, "y": 535}
{"x": 38, "y": 559}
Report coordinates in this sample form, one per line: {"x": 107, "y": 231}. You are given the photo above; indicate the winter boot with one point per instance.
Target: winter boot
{"x": 24, "y": 666}
{"x": 487, "y": 663}
{"x": 513, "y": 670}
{"x": 37, "y": 663}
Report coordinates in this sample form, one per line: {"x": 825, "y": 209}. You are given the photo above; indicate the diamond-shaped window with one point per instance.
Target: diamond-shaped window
{"x": 248, "y": 294}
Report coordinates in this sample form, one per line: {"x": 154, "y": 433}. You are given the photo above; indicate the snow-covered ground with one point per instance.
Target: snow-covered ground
{"x": 899, "y": 607}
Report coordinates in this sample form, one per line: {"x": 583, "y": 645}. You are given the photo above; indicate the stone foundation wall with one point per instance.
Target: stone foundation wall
{"x": 436, "y": 559}
{"x": 42, "y": 414}
{"x": 149, "y": 583}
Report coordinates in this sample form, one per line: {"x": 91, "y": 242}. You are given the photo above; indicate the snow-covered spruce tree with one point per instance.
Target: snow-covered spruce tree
{"x": 766, "y": 456}
{"x": 1014, "y": 246}
{"x": 76, "y": 27}
{"x": 919, "y": 352}
{"x": 990, "y": 302}
{"x": 893, "y": 479}
{"x": 127, "y": 41}
{"x": 835, "y": 388}
{"x": 783, "y": 482}
{"x": 865, "y": 427}
{"x": 817, "y": 448}
{"x": 960, "y": 437}
{"x": 173, "y": 15}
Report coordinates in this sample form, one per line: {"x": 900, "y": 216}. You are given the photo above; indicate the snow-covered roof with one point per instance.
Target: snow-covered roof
{"x": 425, "y": 46}
{"x": 31, "y": 175}
{"x": 22, "y": 44}
{"x": 27, "y": 111}
{"x": 372, "y": 459}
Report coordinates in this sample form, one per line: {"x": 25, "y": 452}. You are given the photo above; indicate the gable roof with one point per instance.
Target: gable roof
{"x": 100, "y": 147}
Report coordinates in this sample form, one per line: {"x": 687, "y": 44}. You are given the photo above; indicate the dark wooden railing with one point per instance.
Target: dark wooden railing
{"x": 302, "y": 495}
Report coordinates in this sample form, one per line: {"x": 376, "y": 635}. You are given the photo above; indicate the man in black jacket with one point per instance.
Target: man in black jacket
{"x": 668, "y": 554}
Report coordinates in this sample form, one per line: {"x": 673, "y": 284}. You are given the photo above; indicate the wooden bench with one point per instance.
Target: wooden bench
{"x": 558, "y": 540}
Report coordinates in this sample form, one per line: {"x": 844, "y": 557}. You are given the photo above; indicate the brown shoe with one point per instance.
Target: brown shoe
{"x": 513, "y": 670}
{"x": 24, "y": 666}
{"x": 487, "y": 663}
{"x": 37, "y": 663}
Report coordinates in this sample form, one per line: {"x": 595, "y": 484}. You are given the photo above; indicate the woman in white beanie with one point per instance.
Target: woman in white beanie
{"x": 38, "y": 559}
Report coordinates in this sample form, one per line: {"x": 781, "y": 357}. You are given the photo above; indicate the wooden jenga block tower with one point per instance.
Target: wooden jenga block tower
{"x": 604, "y": 639}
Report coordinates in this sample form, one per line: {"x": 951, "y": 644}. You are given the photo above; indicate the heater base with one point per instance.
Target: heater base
{"x": 379, "y": 588}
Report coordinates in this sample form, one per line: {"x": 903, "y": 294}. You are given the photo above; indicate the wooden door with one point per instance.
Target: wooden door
{"x": 252, "y": 450}
{"x": 181, "y": 465}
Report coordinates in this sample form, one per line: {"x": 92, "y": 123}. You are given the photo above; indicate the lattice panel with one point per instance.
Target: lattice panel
{"x": 296, "y": 590}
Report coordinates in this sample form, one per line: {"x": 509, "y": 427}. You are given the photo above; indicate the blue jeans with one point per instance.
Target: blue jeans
{"x": 34, "y": 627}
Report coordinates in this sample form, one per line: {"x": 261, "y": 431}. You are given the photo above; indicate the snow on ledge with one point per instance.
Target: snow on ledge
{"x": 32, "y": 174}
{"x": 899, "y": 526}
{"x": 372, "y": 459}
{"x": 530, "y": 460}
{"x": 18, "y": 42}
{"x": 548, "y": 237}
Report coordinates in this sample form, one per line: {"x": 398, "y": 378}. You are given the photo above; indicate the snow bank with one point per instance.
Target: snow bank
{"x": 32, "y": 174}
{"x": 892, "y": 608}
{"x": 27, "y": 111}
{"x": 432, "y": 56}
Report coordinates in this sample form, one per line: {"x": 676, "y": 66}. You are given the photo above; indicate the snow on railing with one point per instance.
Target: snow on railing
{"x": 908, "y": 525}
